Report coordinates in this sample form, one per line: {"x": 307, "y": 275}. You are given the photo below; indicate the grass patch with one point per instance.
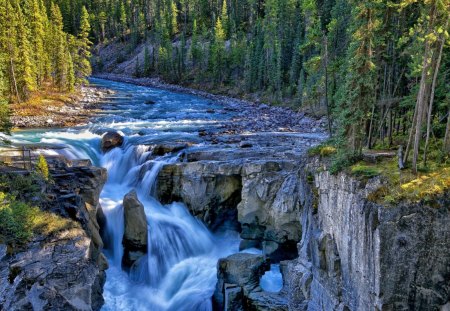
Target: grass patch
{"x": 42, "y": 102}
{"x": 322, "y": 150}
{"x": 403, "y": 185}
{"x": 19, "y": 221}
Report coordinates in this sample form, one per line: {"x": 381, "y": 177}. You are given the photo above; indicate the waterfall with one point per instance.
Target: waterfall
{"x": 180, "y": 266}
{"x": 179, "y": 271}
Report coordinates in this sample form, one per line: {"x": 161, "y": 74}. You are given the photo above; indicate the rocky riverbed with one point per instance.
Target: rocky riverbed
{"x": 250, "y": 117}
{"x": 73, "y": 111}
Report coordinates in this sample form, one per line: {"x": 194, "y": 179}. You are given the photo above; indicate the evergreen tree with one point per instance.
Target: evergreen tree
{"x": 359, "y": 87}
{"x": 218, "y": 52}
{"x": 82, "y": 64}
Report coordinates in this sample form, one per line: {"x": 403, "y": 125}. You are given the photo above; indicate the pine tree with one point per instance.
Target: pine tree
{"x": 224, "y": 18}
{"x": 147, "y": 62}
{"x": 359, "y": 87}
{"x": 218, "y": 52}
{"x": 26, "y": 74}
{"x": 82, "y": 65}
{"x": 58, "y": 48}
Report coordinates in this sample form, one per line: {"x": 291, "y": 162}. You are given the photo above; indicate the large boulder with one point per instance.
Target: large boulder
{"x": 135, "y": 238}
{"x": 238, "y": 275}
{"x": 111, "y": 140}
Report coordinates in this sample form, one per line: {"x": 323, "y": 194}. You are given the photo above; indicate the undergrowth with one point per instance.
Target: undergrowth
{"x": 21, "y": 218}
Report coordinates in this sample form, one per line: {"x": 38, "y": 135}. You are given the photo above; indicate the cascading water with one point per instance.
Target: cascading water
{"x": 179, "y": 271}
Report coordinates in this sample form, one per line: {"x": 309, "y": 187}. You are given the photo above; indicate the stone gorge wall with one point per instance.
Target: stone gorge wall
{"x": 357, "y": 255}
{"x": 352, "y": 254}
{"x": 259, "y": 197}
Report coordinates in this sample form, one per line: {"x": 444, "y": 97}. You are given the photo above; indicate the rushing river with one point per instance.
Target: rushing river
{"x": 179, "y": 271}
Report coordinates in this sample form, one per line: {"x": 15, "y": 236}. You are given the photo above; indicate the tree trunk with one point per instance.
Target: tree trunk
{"x": 433, "y": 88}
{"x": 446, "y": 145}
{"x": 421, "y": 96}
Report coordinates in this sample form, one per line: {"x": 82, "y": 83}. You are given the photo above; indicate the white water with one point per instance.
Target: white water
{"x": 179, "y": 271}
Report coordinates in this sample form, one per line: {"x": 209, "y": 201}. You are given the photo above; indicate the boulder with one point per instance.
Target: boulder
{"x": 238, "y": 275}
{"x": 111, "y": 140}
{"x": 135, "y": 238}
{"x": 162, "y": 149}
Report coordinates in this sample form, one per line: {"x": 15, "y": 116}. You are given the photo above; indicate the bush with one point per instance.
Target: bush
{"x": 21, "y": 187}
{"x": 15, "y": 220}
{"x": 322, "y": 150}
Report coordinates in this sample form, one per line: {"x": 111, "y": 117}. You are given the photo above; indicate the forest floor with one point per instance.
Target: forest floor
{"x": 53, "y": 108}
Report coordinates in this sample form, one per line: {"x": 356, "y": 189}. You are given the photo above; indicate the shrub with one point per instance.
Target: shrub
{"x": 42, "y": 167}
{"x": 322, "y": 150}
{"x": 15, "y": 220}
{"x": 19, "y": 221}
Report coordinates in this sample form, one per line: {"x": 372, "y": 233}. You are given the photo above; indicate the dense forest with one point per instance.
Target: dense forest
{"x": 37, "y": 54}
{"x": 379, "y": 70}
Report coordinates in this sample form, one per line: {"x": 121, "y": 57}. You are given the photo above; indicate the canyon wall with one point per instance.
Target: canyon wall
{"x": 350, "y": 253}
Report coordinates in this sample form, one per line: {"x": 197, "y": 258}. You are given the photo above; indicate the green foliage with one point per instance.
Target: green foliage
{"x": 324, "y": 150}
{"x": 20, "y": 221}
{"x": 16, "y": 220}
{"x": 366, "y": 171}
{"x": 42, "y": 167}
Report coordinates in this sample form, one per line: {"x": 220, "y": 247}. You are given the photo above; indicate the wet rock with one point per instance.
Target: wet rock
{"x": 245, "y": 144}
{"x": 238, "y": 273}
{"x": 163, "y": 149}
{"x": 111, "y": 140}
{"x": 211, "y": 191}
{"x": 135, "y": 238}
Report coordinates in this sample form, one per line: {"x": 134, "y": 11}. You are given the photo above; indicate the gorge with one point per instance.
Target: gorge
{"x": 226, "y": 209}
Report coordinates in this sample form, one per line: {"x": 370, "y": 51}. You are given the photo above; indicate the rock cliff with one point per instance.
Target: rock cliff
{"x": 358, "y": 255}
{"x": 65, "y": 271}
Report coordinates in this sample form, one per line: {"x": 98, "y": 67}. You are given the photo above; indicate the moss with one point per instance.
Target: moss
{"x": 361, "y": 170}
{"x": 323, "y": 150}
{"x": 403, "y": 185}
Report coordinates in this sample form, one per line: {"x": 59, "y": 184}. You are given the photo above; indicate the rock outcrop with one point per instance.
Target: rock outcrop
{"x": 238, "y": 275}
{"x": 65, "y": 271}
{"x": 357, "y": 255}
{"x": 111, "y": 140}
{"x": 352, "y": 254}
{"x": 135, "y": 238}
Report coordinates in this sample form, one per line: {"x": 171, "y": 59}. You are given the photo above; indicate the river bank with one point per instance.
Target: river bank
{"x": 56, "y": 110}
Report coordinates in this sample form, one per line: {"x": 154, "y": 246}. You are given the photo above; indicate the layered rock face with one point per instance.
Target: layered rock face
{"x": 65, "y": 271}
{"x": 357, "y": 255}
{"x": 352, "y": 254}
{"x": 255, "y": 190}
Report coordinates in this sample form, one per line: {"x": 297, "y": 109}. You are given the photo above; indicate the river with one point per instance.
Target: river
{"x": 179, "y": 271}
